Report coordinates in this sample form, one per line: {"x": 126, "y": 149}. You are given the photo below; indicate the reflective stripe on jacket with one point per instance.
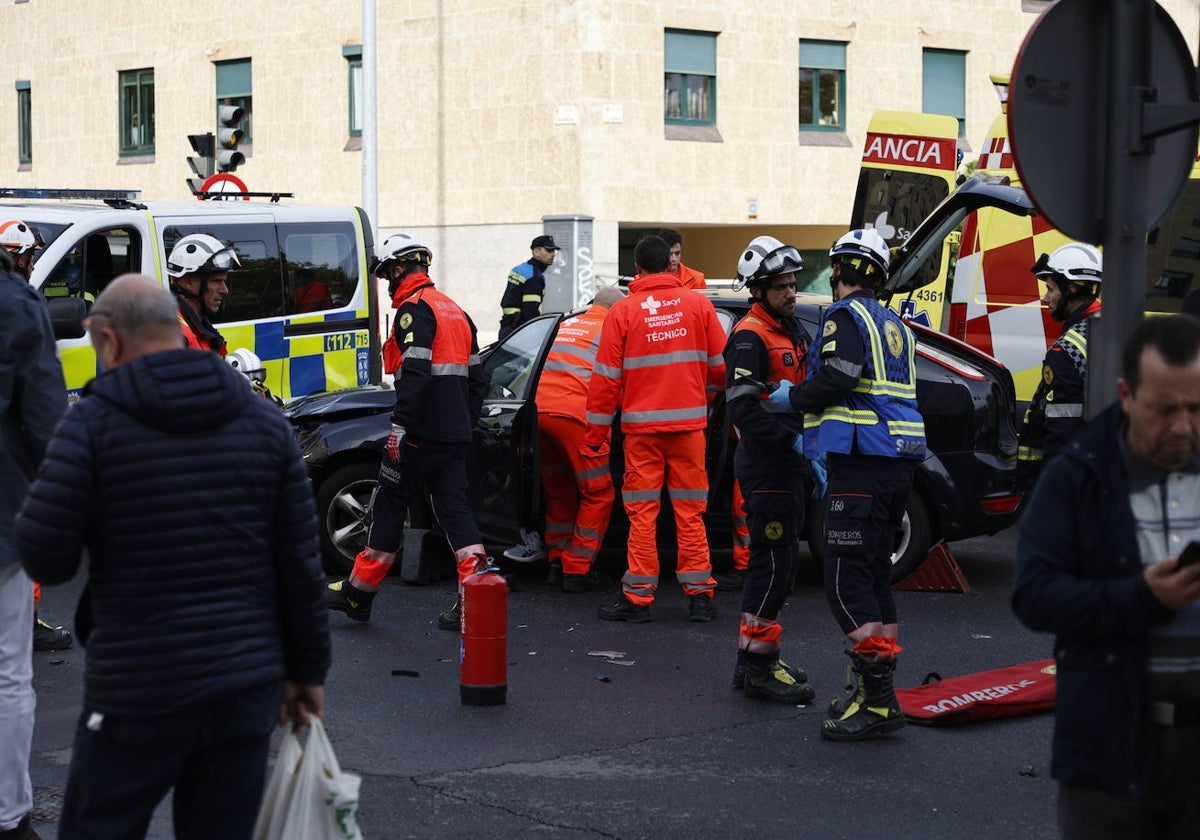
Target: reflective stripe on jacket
{"x": 880, "y": 416}
{"x": 660, "y": 358}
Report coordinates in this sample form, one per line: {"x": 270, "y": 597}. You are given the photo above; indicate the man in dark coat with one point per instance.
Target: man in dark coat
{"x": 32, "y": 398}
{"x": 1097, "y": 566}
{"x": 189, "y": 495}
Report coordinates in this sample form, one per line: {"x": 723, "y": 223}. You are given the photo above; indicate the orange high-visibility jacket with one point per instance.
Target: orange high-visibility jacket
{"x": 563, "y": 386}
{"x": 690, "y": 278}
{"x": 659, "y": 360}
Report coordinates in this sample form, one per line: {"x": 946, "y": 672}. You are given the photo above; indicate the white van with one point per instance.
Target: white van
{"x": 307, "y": 343}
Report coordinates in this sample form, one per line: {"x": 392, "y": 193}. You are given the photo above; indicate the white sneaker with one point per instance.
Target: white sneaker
{"x": 531, "y": 549}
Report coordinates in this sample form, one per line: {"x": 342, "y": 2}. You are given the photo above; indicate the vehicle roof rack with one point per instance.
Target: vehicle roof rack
{"x": 214, "y": 195}
{"x": 38, "y": 192}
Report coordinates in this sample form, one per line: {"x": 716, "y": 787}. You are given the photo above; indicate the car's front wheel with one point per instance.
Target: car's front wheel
{"x": 911, "y": 546}
{"x": 343, "y": 501}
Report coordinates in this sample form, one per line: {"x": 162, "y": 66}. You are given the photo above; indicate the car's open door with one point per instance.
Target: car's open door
{"x": 504, "y": 451}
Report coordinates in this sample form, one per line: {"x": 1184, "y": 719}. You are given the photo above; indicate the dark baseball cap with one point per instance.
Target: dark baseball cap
{"x": 544, "y": 242}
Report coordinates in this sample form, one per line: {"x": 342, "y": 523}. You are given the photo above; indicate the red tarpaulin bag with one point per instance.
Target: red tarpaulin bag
{"x": 1004, "y": 692}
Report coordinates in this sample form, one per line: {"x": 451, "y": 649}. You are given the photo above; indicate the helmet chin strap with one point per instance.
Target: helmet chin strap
{"x": 196, "y": 296}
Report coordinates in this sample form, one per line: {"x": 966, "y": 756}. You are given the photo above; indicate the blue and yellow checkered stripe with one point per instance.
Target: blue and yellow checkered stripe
{"x": 296, "y": 365}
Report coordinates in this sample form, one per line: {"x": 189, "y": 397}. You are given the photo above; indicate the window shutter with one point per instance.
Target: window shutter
{"x": 690, "y": 52}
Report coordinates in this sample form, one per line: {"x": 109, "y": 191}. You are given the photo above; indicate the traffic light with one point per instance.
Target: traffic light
{"x": 202, "y": 165}
{"x": 228, "y": 137}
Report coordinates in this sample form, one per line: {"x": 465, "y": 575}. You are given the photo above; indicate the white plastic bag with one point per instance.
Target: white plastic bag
{"x": 271, "y": 814}
{"x": 314, "y": 799}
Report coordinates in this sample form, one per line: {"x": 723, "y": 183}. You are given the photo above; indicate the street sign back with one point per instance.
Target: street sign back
{"x": 1058, "y": 111}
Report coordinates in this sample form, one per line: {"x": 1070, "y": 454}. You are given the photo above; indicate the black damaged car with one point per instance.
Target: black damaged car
{"x": 963, "y": 489}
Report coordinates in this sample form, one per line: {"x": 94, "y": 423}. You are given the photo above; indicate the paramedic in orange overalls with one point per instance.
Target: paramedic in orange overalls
{"x": 768, "y": 345}
{"x": 434, "y": 354}
{"x": 659, "y": 363}
{"x": 576, "y": 480}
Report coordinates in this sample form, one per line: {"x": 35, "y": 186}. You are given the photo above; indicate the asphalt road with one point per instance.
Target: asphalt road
{"x": 660, "y": 747}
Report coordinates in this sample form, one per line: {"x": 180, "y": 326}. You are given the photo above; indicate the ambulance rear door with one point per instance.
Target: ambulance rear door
{"x": 995, "y": 301}
{"x": 908, "y": 169}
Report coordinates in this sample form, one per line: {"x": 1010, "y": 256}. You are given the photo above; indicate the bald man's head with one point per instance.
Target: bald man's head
{"x": 132, "y": 317}
{"x": 608, "y": 295}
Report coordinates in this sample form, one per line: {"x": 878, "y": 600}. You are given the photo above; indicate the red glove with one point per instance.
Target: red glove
{"x": 393, "y": 442}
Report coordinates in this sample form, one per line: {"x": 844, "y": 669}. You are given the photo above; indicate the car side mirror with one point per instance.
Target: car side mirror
{"x": 67, "y": 314}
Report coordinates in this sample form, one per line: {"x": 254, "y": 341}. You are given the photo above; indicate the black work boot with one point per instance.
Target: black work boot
{"x": 873, "y": 710}
{"x": 343, "y": 597}
{"x": 554, "y": 576}
{"x": 451, "y": 619}
{"x": 739, "y": 671}
{"x": 626, "y": 610}
{"x": 766, "y": 678}
{"x": 592, "y": 581}
{"x": 701, "y": 608}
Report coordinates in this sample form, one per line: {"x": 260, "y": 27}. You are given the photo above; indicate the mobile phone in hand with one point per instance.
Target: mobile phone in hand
{"x": 1190, "y": 554}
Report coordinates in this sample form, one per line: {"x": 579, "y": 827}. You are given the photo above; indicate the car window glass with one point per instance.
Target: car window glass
{"x": 509, "y": 366}
{"x": 321, "y": 264}
{"x": 256, "y": 290}
{"x": 1173, "y": 253}
{"x": 93, "y": 262}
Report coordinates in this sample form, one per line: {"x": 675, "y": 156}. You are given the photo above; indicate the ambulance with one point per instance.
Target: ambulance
{"x": 976, "y": 284}
{"x": 306, "y": 342}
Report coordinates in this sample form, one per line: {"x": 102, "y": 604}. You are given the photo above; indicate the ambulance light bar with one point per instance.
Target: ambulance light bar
{"x": 96, "y": 195}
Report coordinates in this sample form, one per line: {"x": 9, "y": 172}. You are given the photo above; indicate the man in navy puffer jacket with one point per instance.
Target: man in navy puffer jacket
{"x": 189, "y": 494}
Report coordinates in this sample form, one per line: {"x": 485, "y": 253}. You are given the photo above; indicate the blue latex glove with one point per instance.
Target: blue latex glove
{"x": 779, "y": 397}
{"x": 821, "y": 474}
{"x": 798, "y": 445}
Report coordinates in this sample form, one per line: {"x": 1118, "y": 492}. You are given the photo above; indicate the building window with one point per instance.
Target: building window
{"x": 24, "y": 124}
{"x": 234, "y": 88}
{"x": 137, "y": 112}
{"x": 823, "y": 85}
{"x": 944, "y": 85}
{"x": 690, "y": 78}
{"x": 354, "y": 72}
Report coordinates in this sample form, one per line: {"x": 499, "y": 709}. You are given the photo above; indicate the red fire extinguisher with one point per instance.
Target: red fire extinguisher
{"x": 483, "y": 678}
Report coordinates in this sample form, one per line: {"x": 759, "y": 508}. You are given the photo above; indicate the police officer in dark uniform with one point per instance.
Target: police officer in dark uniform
{"x": 860, "y": 401}
{"x": 439, "y": 394}
{"x": 768, "y": 345}
{"x": 526, "y": 286}
{"x": 1072, "y": 275}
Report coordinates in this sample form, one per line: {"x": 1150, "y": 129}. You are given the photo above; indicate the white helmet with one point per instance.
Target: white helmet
{"x": 16, "y": 237}
{"x": 200, "y": 252}
{"x": 248, "y": 364}
{"x": 1075, "y": 262}
{"x": 766, "y": 257}
{"x": 403, "y": 246}
{"x": 864, "y": 249}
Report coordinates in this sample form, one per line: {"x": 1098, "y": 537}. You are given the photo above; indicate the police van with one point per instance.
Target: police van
{"x": 307, "y": 341}
{"x": 976, "y": 284}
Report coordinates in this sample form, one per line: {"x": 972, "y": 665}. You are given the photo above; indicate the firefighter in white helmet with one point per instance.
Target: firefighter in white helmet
{"x": 21, "y": 242}
{"x": 434, "y": 354}
{"x": 860, "y": 405}
{"x": 1072, "y": 274}
{"x": 199, "y": 267}
{"x": 768, "y": 345}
